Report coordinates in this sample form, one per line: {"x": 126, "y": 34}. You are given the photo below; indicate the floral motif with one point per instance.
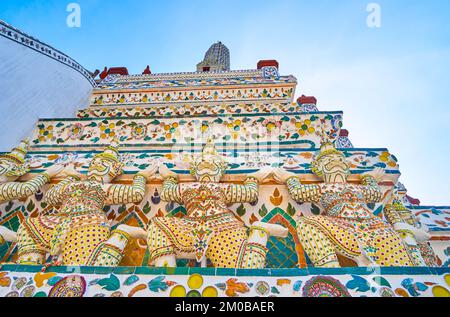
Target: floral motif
{"x": 305, "y": 126}
{"x": 271, "y": 125}
{"x": 194, "y": 288}
{"x": 389, "y": 159}
{"x": 300, "y": 128}
{"x": 139, "y": 131}
{"x": 324, "y": 286}
{"x": 107, "y": 130}
{"x": 197, "y": 95}
{"x": 75, "y": 131}
{"x": 46, "y": 133}
{"x": 70, "y": 286}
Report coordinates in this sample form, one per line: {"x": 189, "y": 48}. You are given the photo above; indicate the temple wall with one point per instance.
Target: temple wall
{"x": 29, "y": 281}
{"x": 36, "y": 81}
{"x": 274, "y": 205}
{"x": 165, "y": 119}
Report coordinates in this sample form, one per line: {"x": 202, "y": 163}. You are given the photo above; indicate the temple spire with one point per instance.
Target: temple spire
{"x": 217, "y": 58}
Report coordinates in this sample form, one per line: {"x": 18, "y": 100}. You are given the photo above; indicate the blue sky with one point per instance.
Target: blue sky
{"x": 391, "y": 82}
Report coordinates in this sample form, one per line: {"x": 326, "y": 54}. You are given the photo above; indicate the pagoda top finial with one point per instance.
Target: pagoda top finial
{"x": 217, "y": 58}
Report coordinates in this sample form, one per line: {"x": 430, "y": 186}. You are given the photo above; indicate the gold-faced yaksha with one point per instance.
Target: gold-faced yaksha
{"x": 209, "y": 230}
{"x": 12, "y": 166}
{"x": 80, "y": 234}
{"x": 347, "y": 226}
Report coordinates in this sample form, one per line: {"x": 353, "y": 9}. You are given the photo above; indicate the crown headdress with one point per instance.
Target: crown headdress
{"x": 326, "y": 148}
{"x": 209, "y": 150}
{"x": 111, "y": 152}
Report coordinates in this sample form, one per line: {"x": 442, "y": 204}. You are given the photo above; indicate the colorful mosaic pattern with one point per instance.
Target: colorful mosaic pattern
{"x": 435, "y": 219}
{"x": 283, "y": 92}
{"x": 188, "y": 110}
{"x": 20, "y": 281}
{"x": 279, "y": 208}
{"x": 293, "y": 159}
{"x": 149, "y": 82}
{"x": 165, "y": 131}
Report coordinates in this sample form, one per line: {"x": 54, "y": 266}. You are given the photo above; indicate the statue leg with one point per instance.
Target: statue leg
{"x": 83, "y": 243}
{"x": 317, "y": 245}
{"x": 110, "y": 252}
{"x": 412, "y": 246}
{"x": 385, "y": 246}
{"x": 416, "y": 255}
{"x": 255, "y": 249}
{"x": 227, "y": 248}
{"x": 29, "y": 251}
{"x": 35, "y": 238}
{"x": 7, "y": 235}
{"x": 162, "y": 251}
{"x": 428, "y": 254}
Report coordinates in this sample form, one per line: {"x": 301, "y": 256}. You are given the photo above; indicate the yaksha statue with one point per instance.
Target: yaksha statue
{"x": 80, "y": 234}
{"x": 13, "y": 166}
{"x": 209, "y": 230}
{"x": 409, "y": 228}
{"x": 347, "y": 226}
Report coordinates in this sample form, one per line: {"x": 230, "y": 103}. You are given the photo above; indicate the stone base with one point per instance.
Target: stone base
{"x": 29, "y": 281}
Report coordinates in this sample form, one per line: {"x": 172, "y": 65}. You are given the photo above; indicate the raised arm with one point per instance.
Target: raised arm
{"x": 17, "y": 190}
{"x": 303, "y": 193}
{"x": 246, "y": 193}
{"x": 297, "y": 191}
{"x": 125, "y": 194}
{"x": 371, "y": 190}
{"x": 396, "y": 212}
{"x": 171, "y": 190}
{"x": 54, "y": 195}
{"x": 391, "y": 214}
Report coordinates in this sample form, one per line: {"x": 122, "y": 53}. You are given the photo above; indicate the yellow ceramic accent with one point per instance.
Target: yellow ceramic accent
{"x": 178, "y": 291}
{"x": 447, "y": 279}
{"x": 195, "y": 281}
{"x": 401, "y": 292}
{"x": 439, "y": 291}
{"x": 40, "y": 277}
{"x": 210, "y": 291}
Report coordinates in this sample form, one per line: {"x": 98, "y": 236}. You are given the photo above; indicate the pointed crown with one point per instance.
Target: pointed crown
{"x": 209, "y": 150}
{"x": 111, "y": 153}
{"x": 326, "y": 149}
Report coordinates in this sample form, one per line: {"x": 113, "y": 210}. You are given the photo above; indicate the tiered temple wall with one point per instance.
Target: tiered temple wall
{"x": 251, "y": 116}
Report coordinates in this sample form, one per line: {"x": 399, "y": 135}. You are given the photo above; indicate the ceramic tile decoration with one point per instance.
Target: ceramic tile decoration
{"x": 213, "y": 183}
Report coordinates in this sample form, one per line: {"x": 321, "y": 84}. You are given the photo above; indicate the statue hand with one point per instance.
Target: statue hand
{"x": 377, "y": 173}
{"x": 421, "y": 235}
{"x": 165, "y": 172}
{"x": 262, "y": 174}
{"x": 70, "y": 170}
{"x": 54, "y": 170}
{"x": 281, "y": 175}
{"x": 150, "y": 171}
